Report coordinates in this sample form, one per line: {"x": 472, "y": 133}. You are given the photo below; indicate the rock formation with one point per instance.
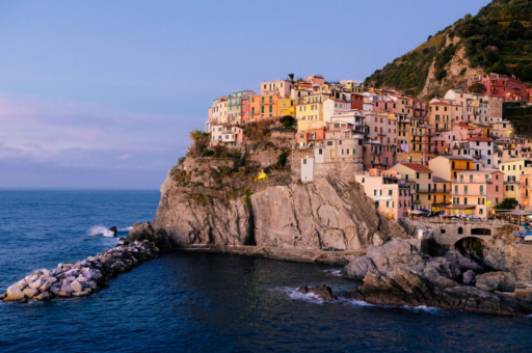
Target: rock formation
{"x": 328, "y": 214}
{"x": 82, "y": 278}
{"x": 398, "y": 273}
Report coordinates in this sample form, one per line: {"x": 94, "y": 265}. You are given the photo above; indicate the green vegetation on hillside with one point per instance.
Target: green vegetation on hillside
{"x": 498, "y": 39}
{"x": 520, "y": 116}
{"x": 409, "y": 72}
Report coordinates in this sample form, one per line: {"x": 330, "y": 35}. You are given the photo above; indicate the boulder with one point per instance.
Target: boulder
{"x": 323, "y": 292}
{"x": 13, "y": 293}
{"x": 492, "y": 281}
{"x": 76, "y": 286}
{"x": 468, "y": 277}
{"x": 358, "y": 268}
{"x": 30, "y": 292}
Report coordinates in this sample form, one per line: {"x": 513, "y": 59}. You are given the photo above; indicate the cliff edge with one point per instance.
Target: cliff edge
{"x": 252, "y": 197}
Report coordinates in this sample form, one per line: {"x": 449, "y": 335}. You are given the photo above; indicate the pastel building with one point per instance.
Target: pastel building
{"x": 513, "y": 170}
{"x": 333, "y": 106}
{"x": 443, "y": 113}
{"x": 339, "y": 153}
{"x": 391, "y": 196}
{"x": 226, "y": 135}
{"x": 421, "y": 178}
{"x": 218, "y": 112}
{"x": 235, "y": 103}
{"x": 282, "y": 88}
{"x": 481, "y": 149}
{"x": 447, "y": 167}
{"x": 470, "y": 194}
{"x": 309, "y": 113}
{"x": 525, "y": 189}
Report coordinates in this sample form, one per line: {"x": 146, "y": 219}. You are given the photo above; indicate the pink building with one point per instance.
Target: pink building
{"x": 506, "y": 87}
{"x": 495, "y": 186}
{"x": 392, "y": 196}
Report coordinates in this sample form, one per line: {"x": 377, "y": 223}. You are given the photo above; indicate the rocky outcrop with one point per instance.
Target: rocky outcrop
{"x": 81, "y": 278}
{"x": 322, "y": 292}
{"x": 325, "y": 215}
{"x": 398, "y": 273}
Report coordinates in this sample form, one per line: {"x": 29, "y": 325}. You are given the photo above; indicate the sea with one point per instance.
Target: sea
{"x": 184, "y": 302}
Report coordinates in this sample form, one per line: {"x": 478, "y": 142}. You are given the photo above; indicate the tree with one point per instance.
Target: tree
{"x": 507, "y": 204}
{"x": 282, "y": 158}
{"x": 291, "y": 77}
{"x": 477, "y": 88}
{"x": 288, "y": 122}
{"x": 201, "y": 142}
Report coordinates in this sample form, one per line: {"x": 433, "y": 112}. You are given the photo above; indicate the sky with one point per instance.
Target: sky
{"x": 102, "y": 94}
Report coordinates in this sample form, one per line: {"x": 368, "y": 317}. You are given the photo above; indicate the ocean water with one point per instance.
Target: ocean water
{"x": 202, "y": 302}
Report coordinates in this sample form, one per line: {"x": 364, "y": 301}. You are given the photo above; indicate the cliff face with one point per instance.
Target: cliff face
{"x": 328, "y": 214}
{"x": 497, "y": 39}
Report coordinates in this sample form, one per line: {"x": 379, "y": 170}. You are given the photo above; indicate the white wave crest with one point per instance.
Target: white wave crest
{"x": 356, "y": 302}
{"x": 100, "y": 230}
{"x": 296, "y": 294}
{"x": 336, "y": 272}
{"x": 422, "y": 309}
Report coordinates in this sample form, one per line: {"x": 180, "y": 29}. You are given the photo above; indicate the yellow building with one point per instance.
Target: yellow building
{"x": 513, "y": 170}
{"x": 309, "y": 113}
{"x": 441, "y": 194}
{"x": 447, "y": 167}
{"x": 286, "y": 107}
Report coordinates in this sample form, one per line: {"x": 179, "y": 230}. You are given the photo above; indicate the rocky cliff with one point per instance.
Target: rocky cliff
{"x": 327, "y": 215}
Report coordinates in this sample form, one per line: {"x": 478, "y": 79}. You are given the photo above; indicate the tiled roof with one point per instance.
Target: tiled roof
{"x": 417, "y": 167}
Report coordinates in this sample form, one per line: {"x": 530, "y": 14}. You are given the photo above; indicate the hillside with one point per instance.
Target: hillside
{"x": 498, "y": 39}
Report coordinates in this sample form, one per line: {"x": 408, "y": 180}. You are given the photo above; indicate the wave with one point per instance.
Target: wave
{"x": 356, "y": 302}
{"x": 336, "y": 272}
{"x": 423, "y": 309}
{"x": 295, "y": 294}
{"x": 100, "y": 230}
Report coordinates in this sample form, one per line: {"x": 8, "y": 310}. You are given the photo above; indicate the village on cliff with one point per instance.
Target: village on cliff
{"x": 454, "y": 156}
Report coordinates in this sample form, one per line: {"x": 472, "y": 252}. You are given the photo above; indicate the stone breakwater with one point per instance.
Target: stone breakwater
{"x": 83, "y": 277}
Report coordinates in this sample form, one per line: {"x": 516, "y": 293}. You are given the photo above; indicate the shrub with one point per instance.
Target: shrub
{"x": 282, "y": 158}
{"x": 507, "y": 204}
{"x": 477, "y": 88}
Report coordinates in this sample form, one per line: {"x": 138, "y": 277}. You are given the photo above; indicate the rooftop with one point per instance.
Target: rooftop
{"x": 417, "y": 167}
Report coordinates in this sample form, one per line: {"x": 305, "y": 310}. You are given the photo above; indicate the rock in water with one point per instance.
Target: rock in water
{"x": 397, "y": 273}
{"x": 323, "y": 292}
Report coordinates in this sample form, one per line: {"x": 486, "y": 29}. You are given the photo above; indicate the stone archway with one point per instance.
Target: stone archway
{"x": 472, "y": 248}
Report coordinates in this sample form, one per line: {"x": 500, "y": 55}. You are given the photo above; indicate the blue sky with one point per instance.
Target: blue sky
{"x": 102, "y": 94}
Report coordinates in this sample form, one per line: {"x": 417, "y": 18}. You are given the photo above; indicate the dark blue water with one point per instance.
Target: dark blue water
{"x": 200, "y": 302}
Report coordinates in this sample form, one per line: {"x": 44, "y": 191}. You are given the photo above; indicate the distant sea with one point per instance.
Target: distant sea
{"x": 201, "y": 302}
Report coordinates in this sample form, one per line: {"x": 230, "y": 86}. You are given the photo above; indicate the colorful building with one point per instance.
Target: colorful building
{"x": 391, "y": 196}
{"x": 421, "y": 178}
